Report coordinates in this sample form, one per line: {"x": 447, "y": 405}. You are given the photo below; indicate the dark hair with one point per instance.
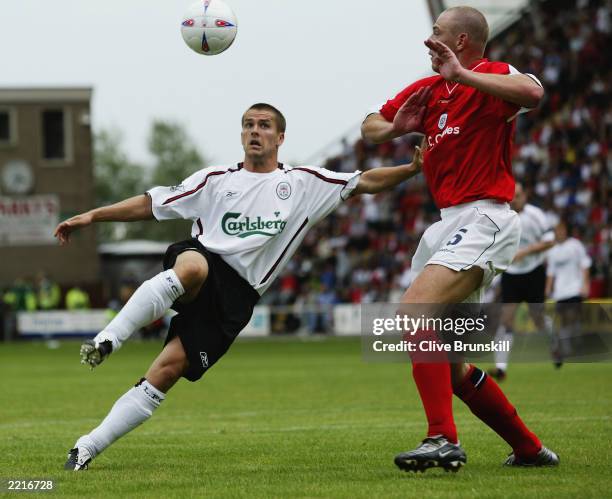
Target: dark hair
{"x": 567, "y": 223}
{"x": 281, "y": 123}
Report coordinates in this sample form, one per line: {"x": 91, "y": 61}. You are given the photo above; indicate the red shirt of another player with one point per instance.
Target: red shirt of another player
{"x": 469, "y": 138}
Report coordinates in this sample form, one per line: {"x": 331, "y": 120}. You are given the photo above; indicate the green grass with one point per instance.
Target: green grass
{"x": 290, "y": 419}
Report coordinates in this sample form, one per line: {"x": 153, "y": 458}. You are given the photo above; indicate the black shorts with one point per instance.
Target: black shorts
{"x": 569, "y": 308}
{"x": 209, "y": 325}
{"x": 573, "y": 299}
{"x": 529, "y": 287}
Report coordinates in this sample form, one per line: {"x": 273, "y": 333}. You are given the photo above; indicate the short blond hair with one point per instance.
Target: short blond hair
{"x": 471, "y": 21}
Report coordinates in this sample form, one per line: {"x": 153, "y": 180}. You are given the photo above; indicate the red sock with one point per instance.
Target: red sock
{"x": 435, "y": 388}
{"x": 485, "y": 399}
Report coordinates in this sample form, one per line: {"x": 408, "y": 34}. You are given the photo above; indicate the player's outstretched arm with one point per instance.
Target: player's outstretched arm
{"x": 129, "y": 210}
{"x": 386, "y": 177}
{"x": 586, "y": 283}
{"x": 409, "y": 118}
{"x": 519, "y": 89}
{"x": 549, "y": 285}
{"x": 532, "y": 249}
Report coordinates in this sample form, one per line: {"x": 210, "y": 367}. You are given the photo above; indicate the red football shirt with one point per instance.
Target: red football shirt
{"x": 469, "y": 136}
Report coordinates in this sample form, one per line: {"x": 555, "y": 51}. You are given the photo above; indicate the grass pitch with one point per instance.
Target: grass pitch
{"x": 290, "y": 418}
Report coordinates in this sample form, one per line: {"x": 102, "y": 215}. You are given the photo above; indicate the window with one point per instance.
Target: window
{"x": 54, "y": 134}
{"x": 5, "y": 126}
{"x": 8, "y": 135}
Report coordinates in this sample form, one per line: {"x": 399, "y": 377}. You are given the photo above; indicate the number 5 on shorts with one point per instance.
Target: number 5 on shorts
{"x": 457, "y": 237}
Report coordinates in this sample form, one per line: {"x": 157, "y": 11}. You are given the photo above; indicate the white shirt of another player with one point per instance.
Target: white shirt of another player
{"x": 566, "y": 263}
{"x": 254, "y": 221}
{"x": 534, "y": 229}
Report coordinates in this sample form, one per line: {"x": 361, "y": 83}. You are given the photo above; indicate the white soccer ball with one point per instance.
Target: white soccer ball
{"x": 209, "y": 27}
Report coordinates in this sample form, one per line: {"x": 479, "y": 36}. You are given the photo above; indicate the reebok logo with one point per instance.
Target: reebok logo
{"x": 204, "y": 358}
{"x": 247, "y": 226}
{"x": 173, "y": 287}
{"x": 152, "y": 395}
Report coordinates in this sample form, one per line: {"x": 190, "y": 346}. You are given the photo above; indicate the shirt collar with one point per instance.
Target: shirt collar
{"x": 477, "y": 62}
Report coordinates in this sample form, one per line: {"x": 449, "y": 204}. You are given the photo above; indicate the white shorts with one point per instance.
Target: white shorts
{"x": 483, "y": 233}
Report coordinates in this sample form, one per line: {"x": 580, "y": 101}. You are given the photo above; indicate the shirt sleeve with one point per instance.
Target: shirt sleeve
{"x": 508, "y": 109}
{"x": 372, "y": 110}
{"x": 182, "y": 201}
{"x": 585, "y": 259}
{"x": 326, "y": 189}
{"x": 390, "y": 108}
{"x": 547, "y": 234}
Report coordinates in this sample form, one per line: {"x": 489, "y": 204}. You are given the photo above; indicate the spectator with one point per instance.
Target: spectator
{"x": 562, "y": 155}
{"x": 48, "y": 292}
{"x": 20, "y": 296}
{"x": 77, "y": 299}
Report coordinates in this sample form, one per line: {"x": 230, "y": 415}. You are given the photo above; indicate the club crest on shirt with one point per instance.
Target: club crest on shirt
{"x": 442, "y": 121}
{"x": 283, "y": 190}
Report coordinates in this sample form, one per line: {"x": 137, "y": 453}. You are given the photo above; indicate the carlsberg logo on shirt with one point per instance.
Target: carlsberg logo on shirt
{"x": 251, "y": 226}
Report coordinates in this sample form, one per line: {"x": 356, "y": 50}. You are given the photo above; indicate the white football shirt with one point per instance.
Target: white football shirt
{"x": 566, "y": 263}
{"x": 254, "y": 221}
{"x": 534, "y": 229}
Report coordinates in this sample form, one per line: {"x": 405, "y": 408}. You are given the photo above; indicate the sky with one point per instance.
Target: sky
{"x": 323, "y": 64}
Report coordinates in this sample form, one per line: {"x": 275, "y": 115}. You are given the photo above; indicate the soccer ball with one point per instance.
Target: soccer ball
{"x": 209, "y": 27}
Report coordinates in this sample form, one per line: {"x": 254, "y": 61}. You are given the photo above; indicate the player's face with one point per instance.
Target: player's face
{"x": 561, "y": 232}
{"x": 520, "y": 198}
{"x": 443, "y": 32}
{"x": 260, "y": 135}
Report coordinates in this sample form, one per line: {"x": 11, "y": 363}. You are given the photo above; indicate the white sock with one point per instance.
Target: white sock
{"x": 501, "y": 357}
{"x": 549, "y": 326}
{"x": 131, "y": 410}
{"x": 148, "y": 303}
{"x": 565, "y": 340}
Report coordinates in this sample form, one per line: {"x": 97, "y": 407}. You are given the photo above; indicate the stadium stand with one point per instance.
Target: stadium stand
{"x": 562, "y": 155}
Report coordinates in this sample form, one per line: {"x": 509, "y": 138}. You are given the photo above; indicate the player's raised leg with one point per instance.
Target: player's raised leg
{"x": 133, "y": 408}
{"x": 148, "y": 303}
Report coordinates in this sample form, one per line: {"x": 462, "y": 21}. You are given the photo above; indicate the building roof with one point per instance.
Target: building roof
{"x": 45, "y": 94}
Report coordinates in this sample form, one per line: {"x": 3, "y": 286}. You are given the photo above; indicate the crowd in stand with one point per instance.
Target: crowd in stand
{"x": 362, "y": 252}
{"x": 41, "y": 293}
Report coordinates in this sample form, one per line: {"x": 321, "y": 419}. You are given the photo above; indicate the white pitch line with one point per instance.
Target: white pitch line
{"x": 275, "y": 429}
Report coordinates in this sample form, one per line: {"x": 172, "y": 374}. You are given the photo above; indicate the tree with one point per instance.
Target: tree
{"x": 175, "y": 158}
{"x": 115, "y": 178}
